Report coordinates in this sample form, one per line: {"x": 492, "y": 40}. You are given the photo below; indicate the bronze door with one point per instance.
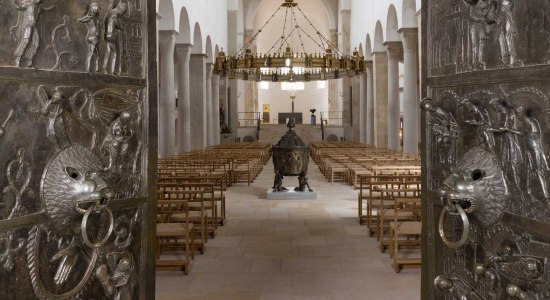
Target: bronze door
{"x": 78, "y": 139}
{"x": 486, "y": 140}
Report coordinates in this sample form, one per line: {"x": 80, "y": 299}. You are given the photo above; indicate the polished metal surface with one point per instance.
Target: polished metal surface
{"x": 78, "y": 95}
{"x": 290, "y": 154}
{"x": 486, "y": 137}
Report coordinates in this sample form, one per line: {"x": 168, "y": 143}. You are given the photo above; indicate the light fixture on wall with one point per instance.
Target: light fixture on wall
{"x": 282, "y": 63}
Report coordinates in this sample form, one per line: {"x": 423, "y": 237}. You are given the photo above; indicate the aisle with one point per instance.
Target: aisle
{"x": 307, "y": 249}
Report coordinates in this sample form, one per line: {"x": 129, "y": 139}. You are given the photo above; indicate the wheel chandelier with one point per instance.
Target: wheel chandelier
{"x": 282, "y": 64}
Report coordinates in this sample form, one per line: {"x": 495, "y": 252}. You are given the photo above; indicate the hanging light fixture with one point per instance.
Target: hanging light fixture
{"x": 282, "y": 64}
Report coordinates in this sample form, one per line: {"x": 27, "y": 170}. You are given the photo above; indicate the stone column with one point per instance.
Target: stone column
{"x": 215, "y": 109}
{"x": 347, "y": 83}
{"x": 183, "y": 52}
{"x": 249, "y": 93}
{"x": 197, "y": 70}
{"x": 410, "y": 90}
{"x": 232, "y": 92}
{"x": 380, "y": 79}
{"x": 209, "y": 129}
{"x": 363, "y": 117}
{"x": 232, "y": 110}
{"x": 355, "y": 113}
{"x": 395, "y": 53}
{"x": 333, "y": 96}
{"x": 370, "y": 104}
{"x": 167, "y": 93}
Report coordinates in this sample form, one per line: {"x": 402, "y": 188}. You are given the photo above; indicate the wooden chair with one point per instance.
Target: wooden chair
{"x": 197, "y": 213}
{"x": 174, "y": 235}
{"x": 411, "y": 230}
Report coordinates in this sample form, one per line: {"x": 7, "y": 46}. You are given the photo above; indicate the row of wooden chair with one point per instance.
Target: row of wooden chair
{"x": 191, "y": 197}
{"x": 389, "y": 204}
{"x": 347, "y": 161}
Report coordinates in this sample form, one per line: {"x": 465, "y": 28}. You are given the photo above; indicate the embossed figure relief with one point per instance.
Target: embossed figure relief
{"x": 480, "y": 16}
{"x": 98, "y": 36}
{"x": 476, "y": 35}
{"x": 537, "y": 164}
{"x": 444, "y": 129}
{"x": 507, "y": 30}
{"x": 113, "y": 30}
{"x": 26, "y": 32}
{"x": 91, "y": 19}
{"x": 52, "y": 108}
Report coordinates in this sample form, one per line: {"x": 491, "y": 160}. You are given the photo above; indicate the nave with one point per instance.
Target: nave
{"x": 291, "y": 249}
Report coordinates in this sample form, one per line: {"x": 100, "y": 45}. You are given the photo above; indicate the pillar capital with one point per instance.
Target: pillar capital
{"x": 167, "y": 36}
{"x": 395, "y": 50}
{"x": 370, "y": 67}
{"x": 184, "y": 47}
{"x": 209, "y": 69}
{"x": 183, "y": 52}
{"x": 199, "y": 55}
{"x": 410, "y": 38}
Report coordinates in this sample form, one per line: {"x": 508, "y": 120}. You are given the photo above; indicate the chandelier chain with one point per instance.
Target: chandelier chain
{"x": 299, "y": 34}
{"x": 319, "y": 32}
{"x": 284, "y": 28}
{"x": 258, "y": 32}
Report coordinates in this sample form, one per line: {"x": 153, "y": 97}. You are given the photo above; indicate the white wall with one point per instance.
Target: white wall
{"x": 307, "y": 99}
{"x": 311, "y": 97}
{"x": 210, "y": 14}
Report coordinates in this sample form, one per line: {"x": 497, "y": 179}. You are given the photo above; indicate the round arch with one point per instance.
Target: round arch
{"x": 166, "y": 12}
{"x": 368, "y": 48}
{"x": 184, "y": 36}
{"x": 392, "y": 25}
{"x": 409, "y": 18}
{"x": 379, "y": 38}
{"x": 209, "y": 50}
{"x": 197, "y": 39}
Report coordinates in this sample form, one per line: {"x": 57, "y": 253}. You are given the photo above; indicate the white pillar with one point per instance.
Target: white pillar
{"x": 380, "y": 71}
{"x": 395, "y": 52}
{"x": 215, "y": 109}
{"x": 167, "y": 93}
{"x": 370, "y": 104}
{"x": 197, "y": 72}
{"x": 410, "y": 90}
{"x": 363, "y": 85}
{"x": 232, "y": 110}
{"x": 183, "y": 52}
{"x": 209, "y": 129}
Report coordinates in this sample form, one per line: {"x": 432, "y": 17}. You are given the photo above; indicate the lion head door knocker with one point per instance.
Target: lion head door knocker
{"x": 475, "y": 190}
{"x": 75, "y": 197}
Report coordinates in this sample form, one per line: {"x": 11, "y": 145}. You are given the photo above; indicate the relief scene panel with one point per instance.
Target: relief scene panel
{"x": 100, "y": 36}
{"x": 488, "y": 188}
{"x": 476, "y": 35}
{"x": 70, "y": 153}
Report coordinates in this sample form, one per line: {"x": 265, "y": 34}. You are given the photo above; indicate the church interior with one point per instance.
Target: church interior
{"x": 275, "y": 149}
{"x": 327, "y": 246}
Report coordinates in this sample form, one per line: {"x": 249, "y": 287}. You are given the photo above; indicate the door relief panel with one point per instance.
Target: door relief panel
{"x": 486, "y": 141}
{"x": 76, "y": 148}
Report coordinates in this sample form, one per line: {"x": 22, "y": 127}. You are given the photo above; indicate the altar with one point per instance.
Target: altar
{"x": 283, "y": 117}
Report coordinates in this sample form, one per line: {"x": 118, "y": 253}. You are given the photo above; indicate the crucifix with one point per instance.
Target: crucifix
{"x": 292, "y": 97}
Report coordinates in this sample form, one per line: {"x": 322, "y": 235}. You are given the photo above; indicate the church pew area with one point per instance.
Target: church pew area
{"x": 191, "y": 197}
{"x": 389, "y": 199}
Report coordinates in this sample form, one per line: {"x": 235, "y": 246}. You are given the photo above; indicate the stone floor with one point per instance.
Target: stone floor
{"x": 291, "y": 249}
